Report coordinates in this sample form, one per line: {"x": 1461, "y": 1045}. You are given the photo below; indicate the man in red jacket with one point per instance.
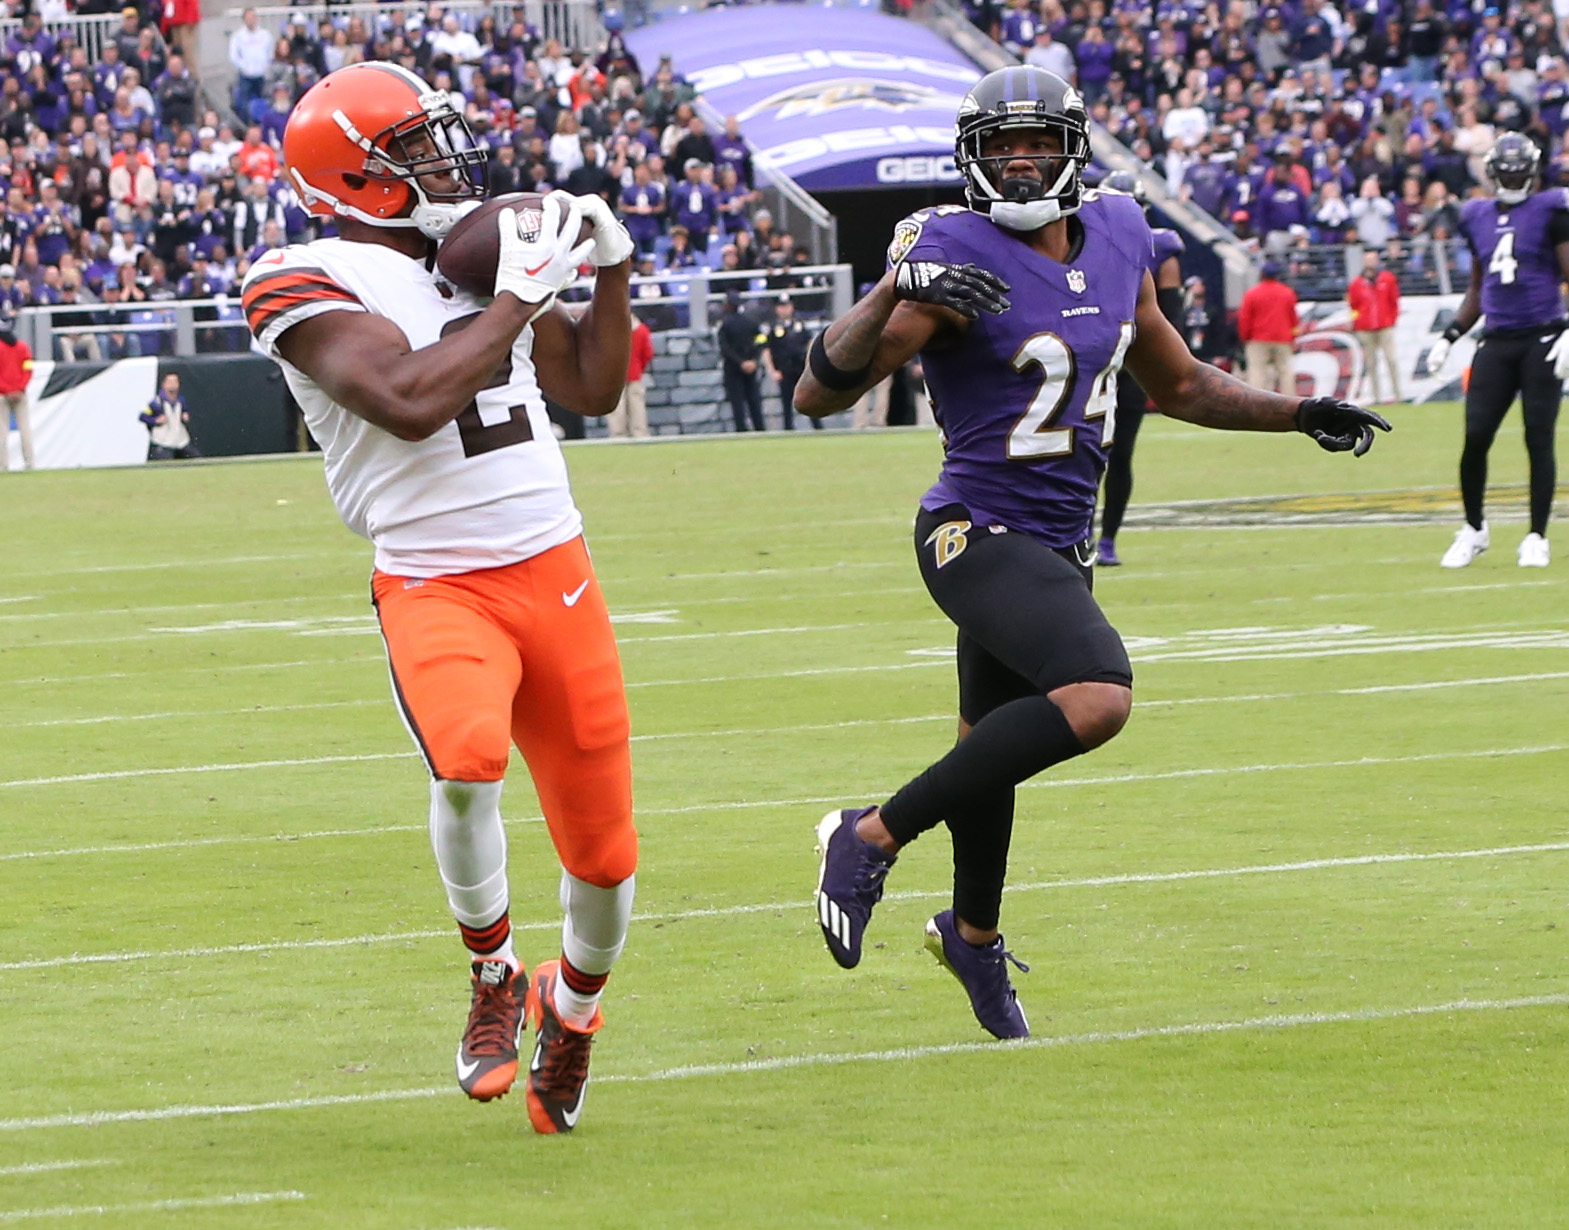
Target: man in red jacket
{"x": 16, "y": 370}
{"x": 1267, "y": 325}
{"x": 1375, "y": 310}
{"x": 630, "y": 417}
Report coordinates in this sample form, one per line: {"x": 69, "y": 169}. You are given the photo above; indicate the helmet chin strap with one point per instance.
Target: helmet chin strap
{"x": 1031, "y": 215}
{"x": 1513, "y": 196}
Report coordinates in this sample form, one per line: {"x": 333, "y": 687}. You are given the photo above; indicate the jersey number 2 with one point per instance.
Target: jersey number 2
{"x": 1033, "y": 435}
{"x": 1503, "y": 262}
{"x": 486, "y": 424}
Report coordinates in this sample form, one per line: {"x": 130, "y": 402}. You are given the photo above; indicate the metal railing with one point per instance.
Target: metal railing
{"x": 1423, "y": 266}
{"x": 91, "y": 32}
{"x": 685, "y": 299}
{"x": 575, "y": 23}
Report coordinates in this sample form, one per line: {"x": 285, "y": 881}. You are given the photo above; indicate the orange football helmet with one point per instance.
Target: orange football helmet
{"x": 363, "y": 142}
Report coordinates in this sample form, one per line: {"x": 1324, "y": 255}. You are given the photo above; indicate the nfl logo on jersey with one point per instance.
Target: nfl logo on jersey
{"x": 1076, "y": 281}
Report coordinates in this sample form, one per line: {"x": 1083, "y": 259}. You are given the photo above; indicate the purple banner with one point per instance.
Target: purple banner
{"x": 836, "y": 98}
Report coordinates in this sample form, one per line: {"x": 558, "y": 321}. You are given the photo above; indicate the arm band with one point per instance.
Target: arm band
{"x": 1453, "y": 334}
{"x": 829, "y": 376}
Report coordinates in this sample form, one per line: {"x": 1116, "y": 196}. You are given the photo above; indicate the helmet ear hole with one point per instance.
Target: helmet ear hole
{"x": 355, "y": 183}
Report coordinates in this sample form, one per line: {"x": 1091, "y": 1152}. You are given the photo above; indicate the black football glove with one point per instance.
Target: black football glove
{"x": 966, "y": 289}
{"x": 1339, "y": 426}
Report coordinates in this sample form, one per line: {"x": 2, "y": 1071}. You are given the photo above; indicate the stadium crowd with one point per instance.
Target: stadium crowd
{"x": 1300, "y": 122}
{"x": 122, "y": 182}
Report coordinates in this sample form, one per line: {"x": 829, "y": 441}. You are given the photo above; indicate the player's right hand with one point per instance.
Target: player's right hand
{"x": 535, "y": 269}
{"x": 1437, "y": 353}
{"x": 966, "y": 289}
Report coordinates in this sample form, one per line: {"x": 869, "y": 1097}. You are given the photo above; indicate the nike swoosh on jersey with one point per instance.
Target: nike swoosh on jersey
{"x": 571, "y": 599}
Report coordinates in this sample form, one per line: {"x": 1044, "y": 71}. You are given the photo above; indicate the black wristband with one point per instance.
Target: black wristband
{"x": 829, "y": 376}
{"x": 1452, "y": 334}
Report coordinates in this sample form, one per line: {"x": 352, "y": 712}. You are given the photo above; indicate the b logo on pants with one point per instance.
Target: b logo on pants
{"x": 948, "y": 541}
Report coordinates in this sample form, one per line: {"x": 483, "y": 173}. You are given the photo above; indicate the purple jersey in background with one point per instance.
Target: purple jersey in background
{"x": 1165, "y": 243}
{"x": 1027, "y": 400}
{"x": 1513, "y": 246}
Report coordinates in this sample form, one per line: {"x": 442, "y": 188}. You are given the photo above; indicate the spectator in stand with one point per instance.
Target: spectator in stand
{"x": 1206, "y": 182}
{"x": 697, "y": 204}
{"x": 1092, "y": 59}
{"x": 696, "y": 143}
{"x": 75, "y": 345}
{"x": 175, "y": 92}
{"x": 132, "y": 184}
{"x": 13, "y": 295}
{"x": 730, "y": 150}
{"x": 733, "y": 200}
{"x": 1374, "y": 299}
{"x": 257, "y": 158}
{"x": 1051, "y": 55}
{"x": 630, "y": 417}
{"x": 643, "y": 208}
{"x": 1281, "y": 215}
{"x": 1374, "y": 215}
{"x": 566, "y": 147}
{"x": 680, "y": 255}
{"x": 1267, "y": 327}
{"x": 168, "y": 423}
{"x": 275, "y": 118}
{"x": 250, "y": 52}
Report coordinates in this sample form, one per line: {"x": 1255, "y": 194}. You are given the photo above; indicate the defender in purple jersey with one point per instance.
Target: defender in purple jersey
{"x": 1023, "y": 308}
{"x": 1519, "y": 241}
{"x": 1164, "y": 267}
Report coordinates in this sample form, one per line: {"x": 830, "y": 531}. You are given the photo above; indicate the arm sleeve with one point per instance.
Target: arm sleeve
{"x": 276, "y": 297}
{"x": 1169, "y": 300}
{"x": 1558, "y": 227}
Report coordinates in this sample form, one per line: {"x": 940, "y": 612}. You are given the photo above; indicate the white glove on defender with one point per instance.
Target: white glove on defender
{"x": 612, "y": 244}
{"x": 1558, "y": 356}
{"x": 535, "y": 269}
{"x": 1436, "y": 355}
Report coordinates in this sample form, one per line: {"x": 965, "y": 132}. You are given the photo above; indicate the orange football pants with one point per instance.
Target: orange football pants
{"x": 521, "y": 654}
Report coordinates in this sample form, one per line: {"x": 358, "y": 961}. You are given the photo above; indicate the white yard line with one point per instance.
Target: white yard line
{"x": 185, "y": 713}
{"x": 164, "y": 672}
{"x": 796, "y": 908}
{"x": 50, "y": 1167}
{"x": 1193, "y": 1029}
{"x": 148, "y": 1206}
{"x": 180, "y": 770}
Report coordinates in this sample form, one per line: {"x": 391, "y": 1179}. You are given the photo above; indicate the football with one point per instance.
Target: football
{"x": 467, "y": 257}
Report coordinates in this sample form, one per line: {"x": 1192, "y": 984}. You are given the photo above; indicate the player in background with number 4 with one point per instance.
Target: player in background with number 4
{"x": 1519, "y": 244}
{"x": 1023, "y": 308}
{"x": 428, "y": 407}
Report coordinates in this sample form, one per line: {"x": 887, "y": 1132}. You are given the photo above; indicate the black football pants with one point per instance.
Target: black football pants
{"x": 1503, "y": 368}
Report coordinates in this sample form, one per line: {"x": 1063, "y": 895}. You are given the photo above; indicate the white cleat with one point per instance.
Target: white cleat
{"x": 1534, "y": 552}
{"x": 1468, "y": 544}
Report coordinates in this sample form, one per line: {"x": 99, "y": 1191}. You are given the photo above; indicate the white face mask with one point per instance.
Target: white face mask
{"x": 1513, "y": 196}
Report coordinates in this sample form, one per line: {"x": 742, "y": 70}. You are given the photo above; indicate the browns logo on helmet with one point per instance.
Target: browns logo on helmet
{"x": 374, "y": 142}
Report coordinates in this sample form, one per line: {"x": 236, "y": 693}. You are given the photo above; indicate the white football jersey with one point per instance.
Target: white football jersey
{"x": 489, "y": 489}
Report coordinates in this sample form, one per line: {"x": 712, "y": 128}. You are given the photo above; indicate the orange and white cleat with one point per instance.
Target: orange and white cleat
{"x": 558, "y": 1072}
{"x": 488, "y": 1055}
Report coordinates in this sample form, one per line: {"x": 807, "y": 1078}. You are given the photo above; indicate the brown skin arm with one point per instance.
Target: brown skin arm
{"x": 1184, "y": 388}
{"x": 1170, "y": 272}
{"x": 582, "y": 363}
{"x": 365, "y": 363}
{"x": 886, "y": 331}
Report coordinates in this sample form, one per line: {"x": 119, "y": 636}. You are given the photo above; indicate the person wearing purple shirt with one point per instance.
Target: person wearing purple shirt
{"x": 642, "y": 208}
{"x": 696, "y": 205}
{"x": 1282, "y": 211}
{"x": 30, "y": 45}
{"x": 1022, "y": 306}
{"x": 730, "y": 150}
{"x": 1205, "y": 181}
{"x": 1519, "y": 242}
{"x": 276, "y": 117}
{"x": 1094, "y": 55}
{"x": 52, "y": 226}
{"x": 187, "y": 183}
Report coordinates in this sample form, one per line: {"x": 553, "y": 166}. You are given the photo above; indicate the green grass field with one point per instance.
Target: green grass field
{"x": 1298, "y": 936}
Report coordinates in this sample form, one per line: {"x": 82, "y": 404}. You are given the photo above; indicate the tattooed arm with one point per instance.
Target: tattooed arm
{"x": 881, "y": 330}
{"x": 1185, "y": 388}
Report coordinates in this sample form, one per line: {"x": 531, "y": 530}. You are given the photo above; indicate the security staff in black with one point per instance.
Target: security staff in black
{"x": 741, "y": 347}
{"x": 788, "y": 341}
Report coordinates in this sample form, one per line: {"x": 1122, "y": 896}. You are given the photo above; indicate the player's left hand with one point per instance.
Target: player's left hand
{"x": 612, "y": 244}
{"x": 1339, "y": 426}
{"x": 1558, "y": 356}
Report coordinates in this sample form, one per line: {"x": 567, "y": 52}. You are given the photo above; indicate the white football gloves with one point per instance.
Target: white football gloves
{"x": 1436, "y": 354}
{"x": 612, "y": 244}
{"x": 535, "y": 269}
{"x": 1558, "y": 355}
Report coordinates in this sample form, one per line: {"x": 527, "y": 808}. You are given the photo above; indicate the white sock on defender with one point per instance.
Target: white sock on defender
{"x": 592, "y": 936}
{"x": 470, "y": 843}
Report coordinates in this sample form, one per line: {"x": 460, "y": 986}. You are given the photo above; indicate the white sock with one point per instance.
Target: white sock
{"x": 470, "y": 843}
{"x": 592, "y": 936}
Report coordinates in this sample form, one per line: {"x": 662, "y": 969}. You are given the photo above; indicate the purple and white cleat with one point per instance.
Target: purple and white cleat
{"x": 849, "y": 883}
{"x": 1106, "y": 554}
{"x": 983, "y": 973}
